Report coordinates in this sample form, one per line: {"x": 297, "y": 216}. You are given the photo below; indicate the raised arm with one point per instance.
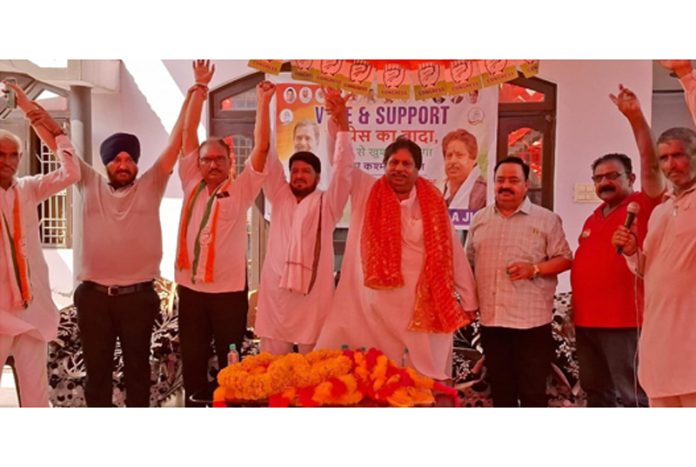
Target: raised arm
{"x": 168, "y": 158}
{"x": 683, "y": 70}
{"x": 262, "y": 127}
{"x": 338, "y": 120}
{"x": 651, "y": 180}
{"x": 44, "y": 125}
{"x": 46, "y": 185}
{"x": 343, "y": 154}
{"x": 337, "y": 109}
{"x": 203, "y": 73}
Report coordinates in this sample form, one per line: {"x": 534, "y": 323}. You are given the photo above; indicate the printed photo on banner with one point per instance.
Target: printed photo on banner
{"x": 456, "y": 134}
{"x": 300, "y": 124}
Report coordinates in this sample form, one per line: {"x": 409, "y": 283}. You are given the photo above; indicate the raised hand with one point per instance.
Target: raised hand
{"x": 336, "y": 106}
{"x": 22, "y": 100}
{"x": 203, "y": 71}
{"x": 265, "y": 91}
{"x": 36, "y": 114}
{"x": 679, "y": 67}
{"x": 626, "y": 102}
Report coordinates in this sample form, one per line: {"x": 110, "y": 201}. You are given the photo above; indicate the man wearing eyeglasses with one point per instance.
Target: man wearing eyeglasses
{"x": 607, "y": 300}
{"x": 211, "y": 263}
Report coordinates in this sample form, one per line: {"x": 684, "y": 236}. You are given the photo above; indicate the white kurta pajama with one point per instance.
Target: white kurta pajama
{"x": 282, "y": 314}
{"x": 24, "y": 332}
{"x": 364, "y": 317}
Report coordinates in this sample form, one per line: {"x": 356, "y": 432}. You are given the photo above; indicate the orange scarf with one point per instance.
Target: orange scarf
{"x": 18, "y": 255}
{"x": 436, "y": 308}
{"x": 207, "y": 256}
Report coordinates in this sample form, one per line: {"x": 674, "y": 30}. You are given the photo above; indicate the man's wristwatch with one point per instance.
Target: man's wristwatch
{"x": 536, "y": 272}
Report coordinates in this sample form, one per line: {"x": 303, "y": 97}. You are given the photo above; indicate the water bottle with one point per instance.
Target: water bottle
{"x": 404, "y": 358}
{"x": 232, "y": 355}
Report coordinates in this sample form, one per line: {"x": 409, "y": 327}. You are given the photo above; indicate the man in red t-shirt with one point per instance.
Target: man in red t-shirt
{"x": 607, "y": 298}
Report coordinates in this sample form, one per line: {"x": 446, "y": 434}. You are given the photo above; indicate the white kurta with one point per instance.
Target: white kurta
{"x": 364, "y": 317}
{"x": 230, "y": 241}
{"x": 40, "y": 319}
{"x": 291, "y": 316}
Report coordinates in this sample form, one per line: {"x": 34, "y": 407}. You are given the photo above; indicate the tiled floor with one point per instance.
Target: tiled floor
{"x": 8, "y": 394}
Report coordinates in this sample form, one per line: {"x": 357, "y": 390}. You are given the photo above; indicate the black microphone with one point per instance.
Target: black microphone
{"x": 631, "y": 212}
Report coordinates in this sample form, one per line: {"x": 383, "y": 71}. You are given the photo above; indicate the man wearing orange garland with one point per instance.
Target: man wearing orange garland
{"x": 28, "y": 316}
{"x": 405, "y": 285}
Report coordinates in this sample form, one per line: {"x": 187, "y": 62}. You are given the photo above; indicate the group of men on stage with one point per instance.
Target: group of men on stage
{"x": 406, "y": 281}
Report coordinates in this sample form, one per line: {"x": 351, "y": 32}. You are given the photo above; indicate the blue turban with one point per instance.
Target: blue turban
{"x": 117, "y": 143}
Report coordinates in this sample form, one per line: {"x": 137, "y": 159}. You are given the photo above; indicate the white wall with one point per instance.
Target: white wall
{"x": 588, "y": 126}
{"x": 670, "y": 110}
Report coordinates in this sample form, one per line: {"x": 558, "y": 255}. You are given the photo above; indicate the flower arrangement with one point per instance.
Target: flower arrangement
{"x": 326, "y": 377}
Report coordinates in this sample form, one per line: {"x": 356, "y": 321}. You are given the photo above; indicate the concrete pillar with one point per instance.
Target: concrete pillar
{"x": 81, "y": 120}
{"x": 81, "y": 136}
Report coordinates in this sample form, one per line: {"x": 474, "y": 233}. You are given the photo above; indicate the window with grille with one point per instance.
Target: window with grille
{"x": 55, "y": 214}
{"x": 245, "y": 100}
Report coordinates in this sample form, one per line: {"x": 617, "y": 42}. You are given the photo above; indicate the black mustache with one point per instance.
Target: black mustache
{"x": 607, "y": 188}
{"x": 506, "y": 190}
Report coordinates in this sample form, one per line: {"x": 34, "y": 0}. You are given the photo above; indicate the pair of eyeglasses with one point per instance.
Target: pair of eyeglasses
{"x": 216, "y": 160}
{"x": 609, "y": 176}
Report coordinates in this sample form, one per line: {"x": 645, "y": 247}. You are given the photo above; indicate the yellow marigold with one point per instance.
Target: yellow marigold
{"x": 400, "y": 398}
{"x": 379, "y": 372}
{"x": 352, "y": 395}
{"x": 290, "y": 394}
{"x": 331, "y": 368}
{"x": 359, "y": 358}
{"x": 318, "y": 355}
{"x": 421, "y": 396}
{"x": 288, "y": 371}
{"x": 420, "y": 380}
{"x": 219, "y": 394}
{"x": 322, "y": 393}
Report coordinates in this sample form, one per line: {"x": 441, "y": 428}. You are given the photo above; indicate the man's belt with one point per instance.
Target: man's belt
{"x": 114, "y": 290}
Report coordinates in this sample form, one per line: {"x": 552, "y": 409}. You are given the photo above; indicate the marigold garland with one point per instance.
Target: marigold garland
{"x": 436, "y": 308}
{"x": 326, "y": 377}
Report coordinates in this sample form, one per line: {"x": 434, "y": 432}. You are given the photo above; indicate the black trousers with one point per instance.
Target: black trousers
{"x": 101, "y": 319}
{"x": 607, "y": 358}
{"x": 206, "y": 317}
{"x": 518, "y": 363}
